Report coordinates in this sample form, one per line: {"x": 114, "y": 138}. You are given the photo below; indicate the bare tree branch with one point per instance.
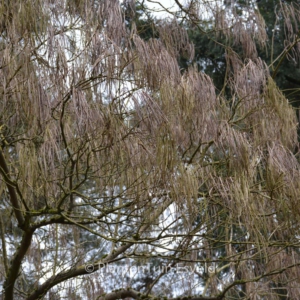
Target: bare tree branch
{"x": 11, "y": 189}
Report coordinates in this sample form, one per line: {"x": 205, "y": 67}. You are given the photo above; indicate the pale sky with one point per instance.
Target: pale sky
{"x": 169, "y": 4}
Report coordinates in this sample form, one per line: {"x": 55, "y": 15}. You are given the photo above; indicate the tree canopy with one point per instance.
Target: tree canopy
{"x": 128, "y": 169}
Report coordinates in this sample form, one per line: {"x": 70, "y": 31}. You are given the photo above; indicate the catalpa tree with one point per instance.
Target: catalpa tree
{"x": 124, "y": 176}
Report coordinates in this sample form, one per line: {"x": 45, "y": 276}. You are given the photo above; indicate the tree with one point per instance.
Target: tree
{"x": 124, "y": 176}
{"x": 278, "y": 49}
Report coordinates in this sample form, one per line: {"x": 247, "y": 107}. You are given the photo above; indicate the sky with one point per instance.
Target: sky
{"x": 153, "y": 4}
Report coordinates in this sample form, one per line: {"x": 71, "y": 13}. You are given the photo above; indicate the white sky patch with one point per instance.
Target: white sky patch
{"x": 161, "y": 7}
{"x": 168, "y": 243}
